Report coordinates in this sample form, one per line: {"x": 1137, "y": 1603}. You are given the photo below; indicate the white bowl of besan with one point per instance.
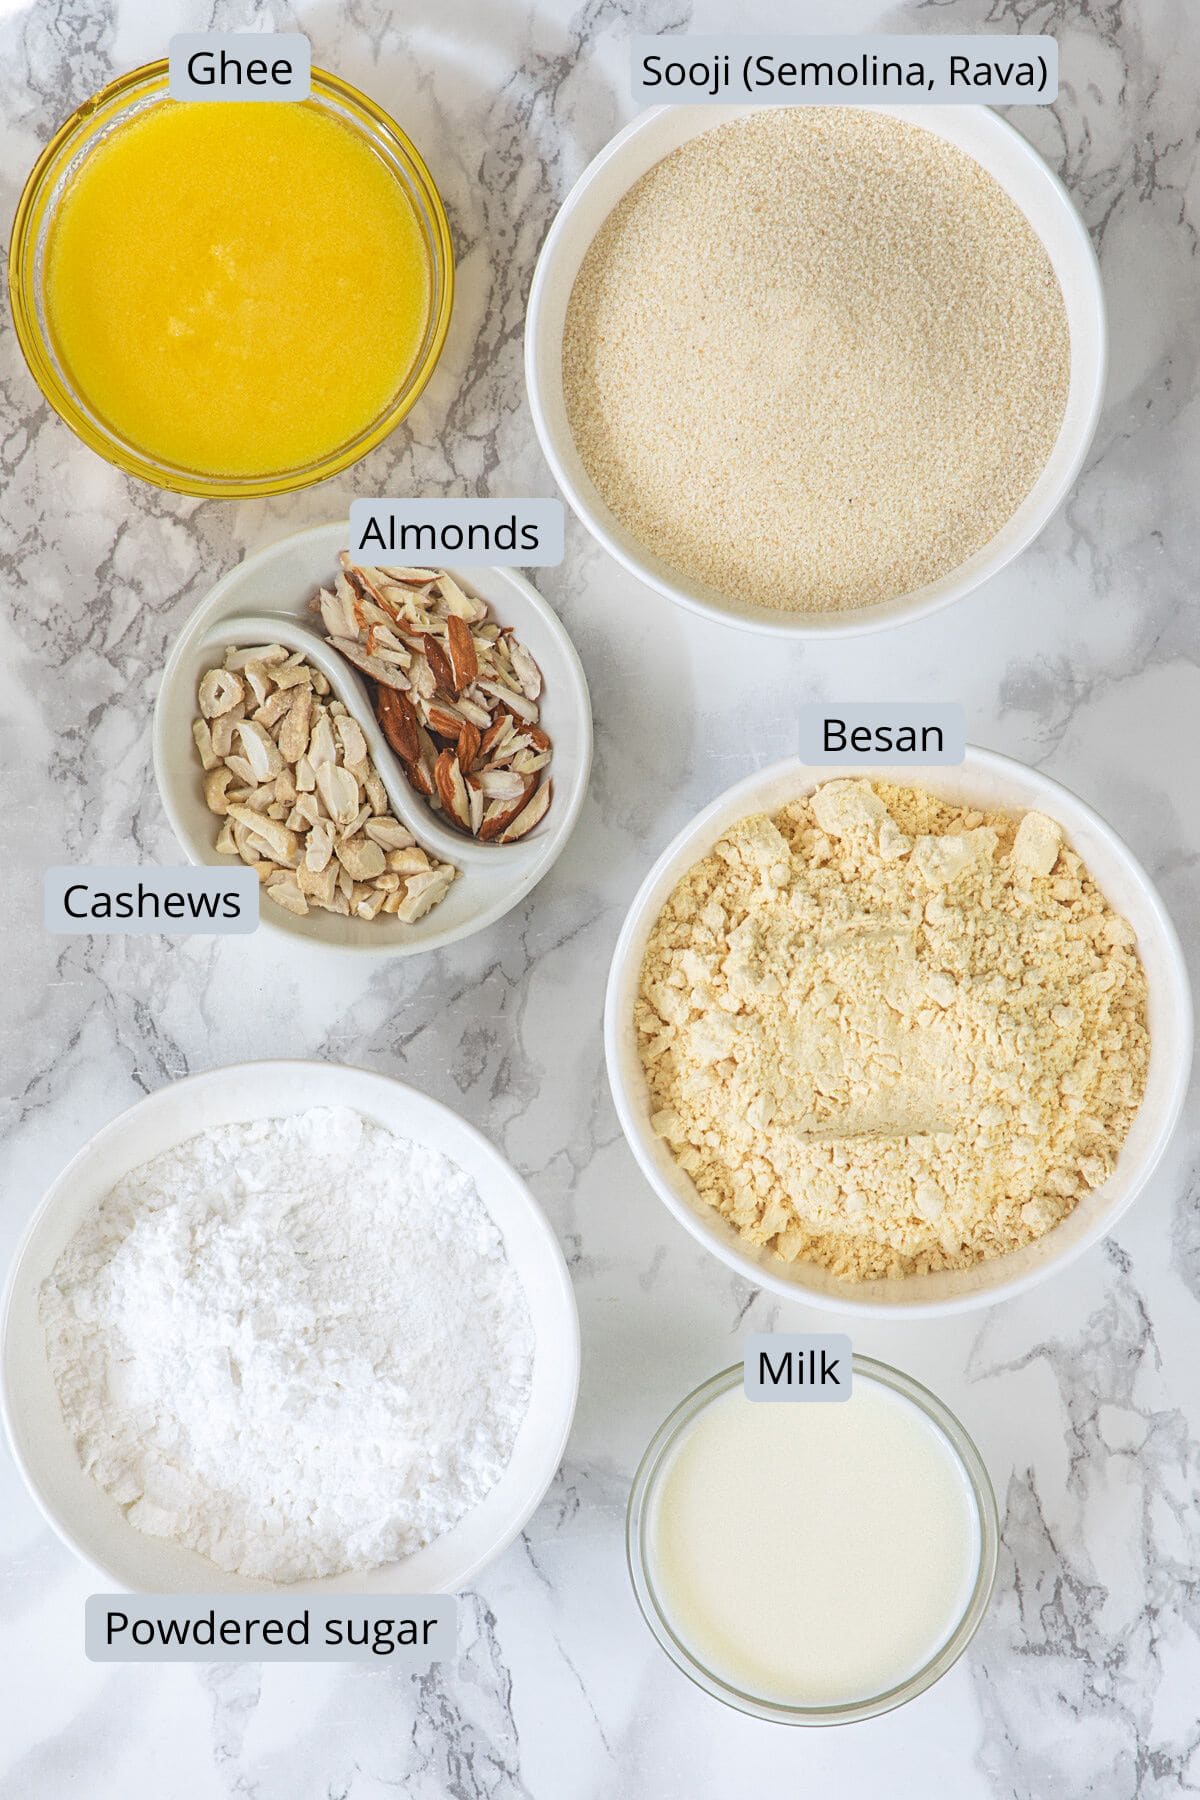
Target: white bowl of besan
{"x": 265, "y": 1330}
{"x": 995, "y": 785}
{"x": 747, "y": 406}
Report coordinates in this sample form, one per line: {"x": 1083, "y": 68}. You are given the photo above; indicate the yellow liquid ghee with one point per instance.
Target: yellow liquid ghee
{"x": 237, "y": 289}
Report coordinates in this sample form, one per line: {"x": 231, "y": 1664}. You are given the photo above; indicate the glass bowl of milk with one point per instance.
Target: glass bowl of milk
{"x": 814, "y": 1564}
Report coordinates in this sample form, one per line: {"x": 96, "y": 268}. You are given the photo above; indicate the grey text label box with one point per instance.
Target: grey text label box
{"x": 198, "y": 73}
{"x": 517, "y": 533}
{"x": 923, "y": 69}
{"x": 783, "y": 1365}
{"x": 408, "y": 1631}
{"x": 933, "y": 732}
{"x": 142, "y": 901}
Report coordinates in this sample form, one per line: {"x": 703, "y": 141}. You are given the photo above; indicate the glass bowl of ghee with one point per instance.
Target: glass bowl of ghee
{"x": 230, "y": 299}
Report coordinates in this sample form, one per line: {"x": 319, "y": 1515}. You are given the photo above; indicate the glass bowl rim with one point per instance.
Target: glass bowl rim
{"x": 149, "y": 82}
{"x": 841, "y": 1713}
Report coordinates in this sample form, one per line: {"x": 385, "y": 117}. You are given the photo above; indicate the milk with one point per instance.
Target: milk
{"x": 813, "y": 1555}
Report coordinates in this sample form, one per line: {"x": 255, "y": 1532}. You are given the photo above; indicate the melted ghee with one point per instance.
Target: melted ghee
{"x": 237, "y": 289}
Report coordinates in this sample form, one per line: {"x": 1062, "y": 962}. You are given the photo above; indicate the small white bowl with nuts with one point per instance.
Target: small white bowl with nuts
{"x": 399, "y": 753}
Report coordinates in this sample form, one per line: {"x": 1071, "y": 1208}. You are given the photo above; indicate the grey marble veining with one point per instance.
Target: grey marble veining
{"x": 1081, "y": 658}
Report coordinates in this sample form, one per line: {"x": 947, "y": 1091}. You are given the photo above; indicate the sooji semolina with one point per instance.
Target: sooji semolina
{"x": 815, "y": 359}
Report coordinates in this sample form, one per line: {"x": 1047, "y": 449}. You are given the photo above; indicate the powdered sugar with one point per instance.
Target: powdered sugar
{"x": 295, "y": 1346}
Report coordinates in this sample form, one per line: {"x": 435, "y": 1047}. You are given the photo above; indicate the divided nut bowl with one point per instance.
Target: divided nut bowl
{"x": 266, "y": 600}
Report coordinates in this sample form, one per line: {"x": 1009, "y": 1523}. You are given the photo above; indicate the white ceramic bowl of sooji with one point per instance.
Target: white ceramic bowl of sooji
{"x": 90, "y": 1520}
{"x": 747, "y": 406}
{"x": 833, "y": 1127}
{"x": 267, "y": 602}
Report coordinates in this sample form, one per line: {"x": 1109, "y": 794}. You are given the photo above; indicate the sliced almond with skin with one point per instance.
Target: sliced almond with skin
{"x": 502, "y": 784}
{"x": 443, "y": 719}
{"x": 385, "y": 672}
{"x": 422, "y": 676}
{"x": 468, "y": 743}
{"x": 421, "y": 778}
{"x": 409, "y": 577}
{"x": 452, "y": 789}
{"x": 533, "y": 815}
{"x": 457, "y": 602}
{"x": 500, "y": 815}
{"x": 337, "y": 612}
{"x": 509, "y": 697}
{"x": 428, "y": 750}
{"x": 399, "y": 722}
{"x": 496, "y": 732}
{"x": 476, "y": 802}
{"x": 472, "y": 710}
{"x": 460, "y": 651}
{"x": 525, "y": 669}
{"x": 367, "y": 581}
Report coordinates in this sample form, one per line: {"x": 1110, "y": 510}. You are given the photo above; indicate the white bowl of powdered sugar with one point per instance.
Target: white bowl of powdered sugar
{"x": 285, "y": 1324}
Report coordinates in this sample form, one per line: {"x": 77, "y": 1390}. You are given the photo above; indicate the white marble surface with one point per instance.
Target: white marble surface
{"x": 1082, "y": 658}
